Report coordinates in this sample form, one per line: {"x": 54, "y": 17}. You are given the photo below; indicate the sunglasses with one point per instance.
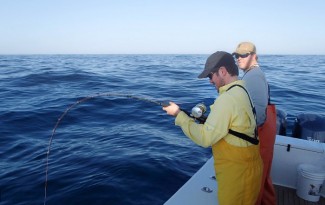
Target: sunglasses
{"x": 242, "y": 55}
{"x": 210, "y": 75}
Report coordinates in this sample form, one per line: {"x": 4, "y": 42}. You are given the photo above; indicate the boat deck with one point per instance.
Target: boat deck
{"x": 287, "y": 196}
{"x": 202, "y": 188}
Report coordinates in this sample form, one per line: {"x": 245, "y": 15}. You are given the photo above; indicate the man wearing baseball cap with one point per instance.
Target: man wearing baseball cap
{"x": 258, "y": 88}
{"x": 230, "y": 129}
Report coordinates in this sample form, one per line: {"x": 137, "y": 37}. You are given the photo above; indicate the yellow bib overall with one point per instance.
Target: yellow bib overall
{"x": 238, "y": 173}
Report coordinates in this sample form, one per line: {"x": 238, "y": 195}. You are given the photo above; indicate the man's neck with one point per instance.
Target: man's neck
{"x": 251, "y": 66}
{"x": 231, "y": 79}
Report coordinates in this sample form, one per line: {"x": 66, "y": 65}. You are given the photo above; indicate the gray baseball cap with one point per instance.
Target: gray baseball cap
{"x": 215, "y": 61}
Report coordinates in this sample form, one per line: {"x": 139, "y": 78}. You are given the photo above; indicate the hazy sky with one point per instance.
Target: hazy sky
{"x": 160, "y": 26}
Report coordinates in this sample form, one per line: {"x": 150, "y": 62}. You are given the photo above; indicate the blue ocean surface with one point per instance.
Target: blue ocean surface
{"x": 113, "y": 149}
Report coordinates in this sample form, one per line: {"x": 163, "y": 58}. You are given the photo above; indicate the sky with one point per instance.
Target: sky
{"x": 161, "y": 26}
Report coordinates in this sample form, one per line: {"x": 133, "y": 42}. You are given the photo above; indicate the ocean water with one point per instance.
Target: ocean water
{"x": 114, "y": 149}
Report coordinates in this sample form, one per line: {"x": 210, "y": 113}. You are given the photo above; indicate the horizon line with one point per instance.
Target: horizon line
{"x": 12, "y": 54}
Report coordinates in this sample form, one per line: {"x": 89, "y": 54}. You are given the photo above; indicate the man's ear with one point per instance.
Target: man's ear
{"x": 222, "y": 71}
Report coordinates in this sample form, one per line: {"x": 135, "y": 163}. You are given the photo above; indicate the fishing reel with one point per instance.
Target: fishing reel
{"x": 198, "y": 112}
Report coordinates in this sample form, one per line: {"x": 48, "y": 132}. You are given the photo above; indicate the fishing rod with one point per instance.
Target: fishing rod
{"x": 197, "y": 114}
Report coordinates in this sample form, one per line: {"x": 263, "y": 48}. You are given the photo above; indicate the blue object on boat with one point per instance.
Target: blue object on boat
{"x": 309, "y": 127}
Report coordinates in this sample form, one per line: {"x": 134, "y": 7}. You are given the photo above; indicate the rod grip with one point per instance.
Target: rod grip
{"x": 164, "y": 103}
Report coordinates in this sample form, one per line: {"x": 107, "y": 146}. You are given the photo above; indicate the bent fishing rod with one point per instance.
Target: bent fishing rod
{"x": 197, "y": 113}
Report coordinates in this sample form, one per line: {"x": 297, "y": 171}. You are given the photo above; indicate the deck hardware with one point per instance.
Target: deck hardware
{"x": 213, "y": 177}
{"x": 288, "y": 147}
{"x": 207, "y": 189}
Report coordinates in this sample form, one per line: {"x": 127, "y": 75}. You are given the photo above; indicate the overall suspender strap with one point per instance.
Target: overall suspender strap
{"x": 243, "y": 136}
{"x": 253, "y": 108}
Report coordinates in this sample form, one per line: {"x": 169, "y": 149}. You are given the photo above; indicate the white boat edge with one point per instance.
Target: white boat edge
{"x": 289, "y": 153}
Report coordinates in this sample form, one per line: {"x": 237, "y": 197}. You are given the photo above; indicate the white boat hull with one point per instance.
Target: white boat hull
{"x": 288, "y": 154}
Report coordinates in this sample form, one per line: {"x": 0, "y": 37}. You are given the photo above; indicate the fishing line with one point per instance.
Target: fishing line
{"x": 79, "y": 102}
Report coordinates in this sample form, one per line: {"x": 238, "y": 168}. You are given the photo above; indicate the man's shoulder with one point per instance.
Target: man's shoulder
{"x": 235, "y": 89}
{"x": 256, "y": 71}
{"x": 254, "y": 75}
